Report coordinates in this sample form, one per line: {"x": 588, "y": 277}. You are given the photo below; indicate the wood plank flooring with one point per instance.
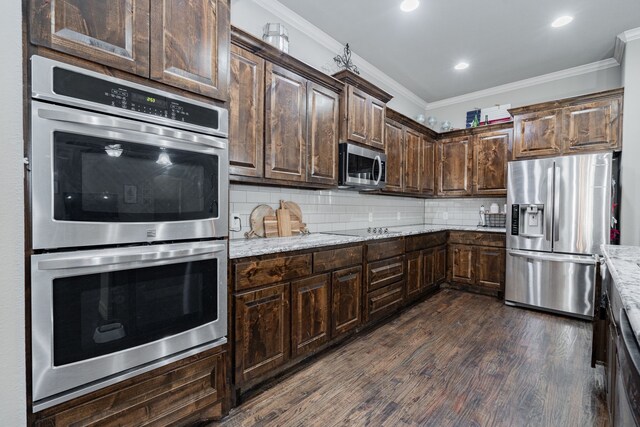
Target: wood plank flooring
{"x": 457, "y": 359}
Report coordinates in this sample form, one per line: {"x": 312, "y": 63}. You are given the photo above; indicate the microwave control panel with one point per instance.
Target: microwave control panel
{"x": 88, "y": 88}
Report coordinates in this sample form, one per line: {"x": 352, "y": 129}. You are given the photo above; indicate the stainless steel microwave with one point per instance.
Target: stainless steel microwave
{"x": 361, "y": 168}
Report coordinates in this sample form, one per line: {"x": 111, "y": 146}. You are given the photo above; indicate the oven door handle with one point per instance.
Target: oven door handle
{"x": 115, "y": 124}
{"x": 150, "y": 257}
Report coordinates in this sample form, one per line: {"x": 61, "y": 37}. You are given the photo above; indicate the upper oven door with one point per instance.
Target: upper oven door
{"x": 103, "y": 180}
{"x": 98, "y": 314}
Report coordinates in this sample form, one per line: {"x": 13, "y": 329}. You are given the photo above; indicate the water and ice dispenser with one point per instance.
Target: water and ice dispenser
{"x": 527, "y": 220}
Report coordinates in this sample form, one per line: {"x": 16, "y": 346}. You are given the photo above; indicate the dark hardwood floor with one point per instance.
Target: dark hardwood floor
{"x": 457, "y": 359}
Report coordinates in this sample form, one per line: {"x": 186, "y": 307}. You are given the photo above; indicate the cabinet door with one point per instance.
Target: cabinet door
{"x": 537, "y": 134}
{"x": 428, "y": 268}
{"x": 413, "y": 151}
{"x": 490, "y": 268}
{"x": 593, "y": 126}
{"x": 440, "y": 264}
{"x": 427, "y": 167}
{"x": 414, "y": 275}
{"x": 285, "y": 124}
{"x": 375, "y": 134}
{"x": 323, "y": 111}
{"x": 357, "y": 115}
{"x": 190, "y": 45}
{"x": 246, "y": 114}
{"x": 262, "y": 331}
{"x": 310, "y": 314}
{"x": 455, "y": 167}
{"x": 346, "y": 288}
{"x": 113, "y": 33}
{"x": 461, "y": 263}
{"x": 395, "y": 150}
{"x": 492, "y": 152}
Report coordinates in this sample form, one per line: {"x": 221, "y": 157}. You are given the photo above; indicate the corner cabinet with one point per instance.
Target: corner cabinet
{"x": 284, "y": 118}
{"x": 182, "y": 46}
{"x": 491, "y": 153}
{"x": 363, "y": 111}
{"x": 581, "y": 124}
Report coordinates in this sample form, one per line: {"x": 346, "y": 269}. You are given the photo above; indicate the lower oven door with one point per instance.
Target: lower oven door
{"x": 101, "y": 316}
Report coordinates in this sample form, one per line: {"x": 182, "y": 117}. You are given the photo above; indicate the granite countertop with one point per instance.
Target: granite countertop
{"x": 242, "y": 248}
{"x": 622, "y": 262}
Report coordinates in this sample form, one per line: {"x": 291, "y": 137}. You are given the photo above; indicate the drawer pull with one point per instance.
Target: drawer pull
{"x": 348, "y": 277}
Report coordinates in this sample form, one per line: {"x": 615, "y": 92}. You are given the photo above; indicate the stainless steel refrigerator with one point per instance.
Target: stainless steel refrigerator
{"x": 558, "y": 215}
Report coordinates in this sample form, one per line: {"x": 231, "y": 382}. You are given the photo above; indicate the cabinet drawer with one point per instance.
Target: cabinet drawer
{"x": 252, "y": 274}
{"x": 337, "y": 258}
{"x": 384, "y": 300}
{"x": 383, "y": 273}
{"x": 424, "y": 241}
{"x": 497, "y": 240}
{"x": 385, "y": 249}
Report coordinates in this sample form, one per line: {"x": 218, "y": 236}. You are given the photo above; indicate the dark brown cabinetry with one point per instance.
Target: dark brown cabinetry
{"x": 454, "y": 166}
{"x": 262, "y": 331}
{"x": 289, "y": 136}
{"x": 346, "y": 288}
{"x": 322, "y": 134}
{"x": 185, "y": 47}
{"x": 413, "y": 146}
{"x": 190, "y": 45}
{"x": 310, "y": 307}
{"x": 477, "y": 261}
{"x": 580, "y": 124}
{"x": 414, "y": 274}
{"x": 246, "y": 118}
{"x": 113, "y": 33}
{"x": 363, "y": 111}
{"x": 394, "y": 151}
{"x": 427, "y": 167}
{"x": 285, "y": 124}
{"x": 491, "y": 153}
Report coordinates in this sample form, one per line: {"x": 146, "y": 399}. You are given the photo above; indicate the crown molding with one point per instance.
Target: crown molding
{"x": 622, "y": 39}
{"x": 324, "y": 39}
{"x": 545, "y": 78}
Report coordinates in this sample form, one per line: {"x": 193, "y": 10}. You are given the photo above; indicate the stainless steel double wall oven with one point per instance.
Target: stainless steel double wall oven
{"x": 129, "y": 188}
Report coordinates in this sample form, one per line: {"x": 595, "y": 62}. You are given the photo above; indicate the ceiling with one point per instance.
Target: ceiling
{"x": 502, "y": 40}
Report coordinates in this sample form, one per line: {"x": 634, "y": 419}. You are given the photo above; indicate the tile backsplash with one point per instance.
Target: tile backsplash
{"x": 335, "y": 210}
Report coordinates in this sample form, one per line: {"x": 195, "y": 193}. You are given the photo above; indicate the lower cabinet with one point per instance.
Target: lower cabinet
{"x": 461, "y": 260}
{"x": 384, "y": 301}
{"x": 309, "y": 314}
{"x": 346, "y": 288}
{"x": 490, "y": 268}
{"x": 477, "y": 262}
{"x": 434, "y": 271}
{"x": 261, "y": 331}
{"x": 415, "y": 278}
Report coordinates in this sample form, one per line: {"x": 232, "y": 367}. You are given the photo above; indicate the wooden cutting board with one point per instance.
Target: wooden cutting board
{"x": 271, "y": 226}
{"x": 294, "y": 210}
{"x": 284, "y": 220}
{"x": 295, "y": 225}
{"x": 257, "y": 220}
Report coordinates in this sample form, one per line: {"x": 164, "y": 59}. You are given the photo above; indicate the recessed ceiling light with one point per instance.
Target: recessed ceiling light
{"x": 409, "y": 5}
{"x": 562, "y": 21}
{"x": 461, "y": 66}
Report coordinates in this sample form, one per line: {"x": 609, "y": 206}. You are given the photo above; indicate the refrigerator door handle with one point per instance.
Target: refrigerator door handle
{"x": 554, "y": 257}
{"x": 548, "y": 211}
{"x": 556, "y": 204}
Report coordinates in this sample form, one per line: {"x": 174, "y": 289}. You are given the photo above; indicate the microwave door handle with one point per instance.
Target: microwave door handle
{"x": 379, "y": 161}
{"x": 97, "y": 261}
{"x": 115, "y": 124}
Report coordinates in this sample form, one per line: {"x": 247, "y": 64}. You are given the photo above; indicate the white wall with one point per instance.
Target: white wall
{"x": 250, "y": 16}
{"x": 630, "y": 173}
{"x": 595, "y": 81}
{"x": 12, "y": 360}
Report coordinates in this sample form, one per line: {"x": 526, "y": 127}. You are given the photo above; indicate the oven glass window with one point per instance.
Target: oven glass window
{"x": 106, "y": 180}
{"x": 102, "y": 313}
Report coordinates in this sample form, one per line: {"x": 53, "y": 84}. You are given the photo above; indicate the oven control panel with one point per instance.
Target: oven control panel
{"x": 103, "y": 91}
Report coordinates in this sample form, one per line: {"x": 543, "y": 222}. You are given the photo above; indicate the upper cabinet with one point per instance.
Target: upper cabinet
{"x": 427, "y": 167}
{"x": 395, "y": 148}
{"x": 283, "y": 120}
{"x": 413, "y": 155}
{"x": 113, "y": 33}
{"x": 363, "y": 111}
{"x": 454, "y": 166}
{"x": 491, "y": 153}
{"x": 580, "y": 124}
{"x": 190, "y": 45}
{"x": 185, "y": 47}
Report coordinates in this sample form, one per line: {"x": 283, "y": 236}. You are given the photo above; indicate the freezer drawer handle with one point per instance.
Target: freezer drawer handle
{"x": 555, "y": 257}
